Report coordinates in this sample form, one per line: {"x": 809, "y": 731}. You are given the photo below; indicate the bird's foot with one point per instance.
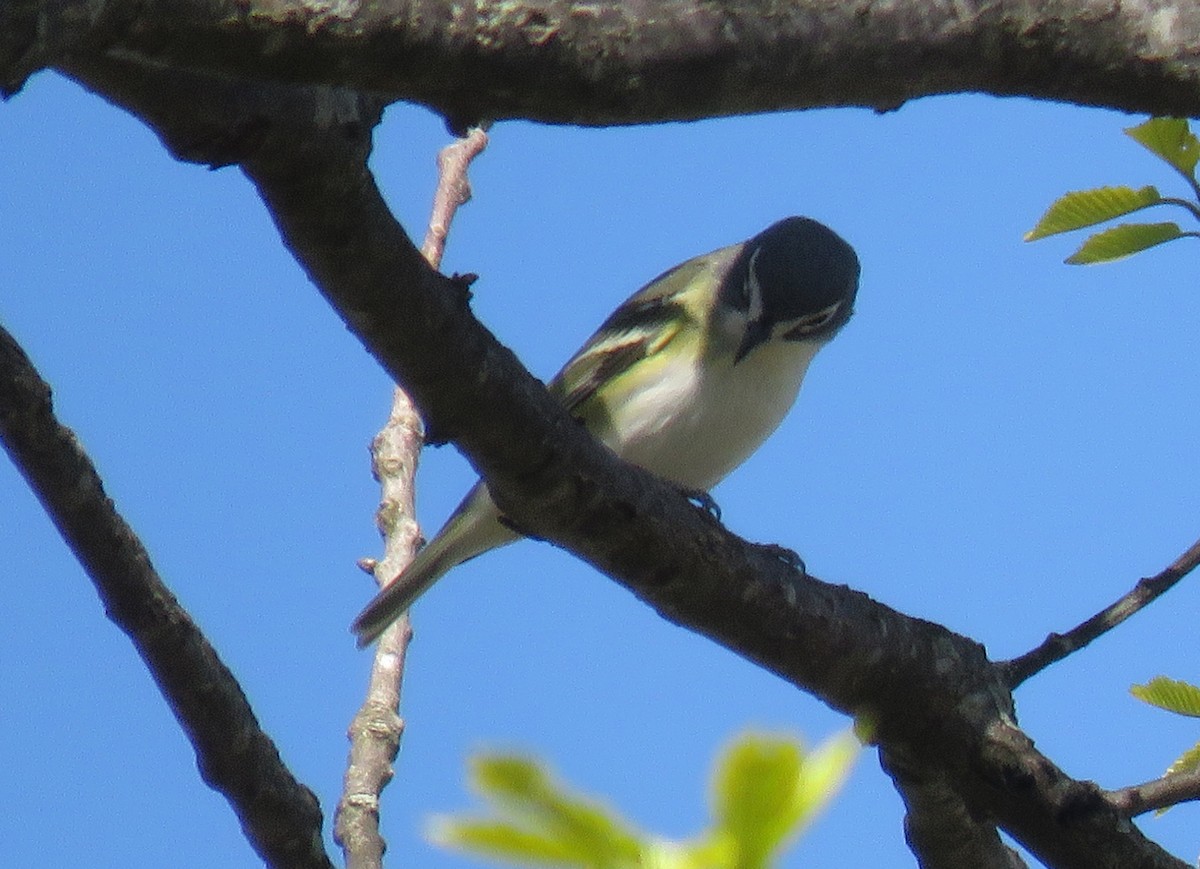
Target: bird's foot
{"x": 704, "y": 501}
{"x": 790, "y": 557}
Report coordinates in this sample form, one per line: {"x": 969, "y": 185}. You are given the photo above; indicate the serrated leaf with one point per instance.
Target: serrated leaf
{"x": 1170, "y": 139}
{"x": 1170, "y": 694}
{"x": 1122, "y": 241}
{"x": 1082, "y": 208}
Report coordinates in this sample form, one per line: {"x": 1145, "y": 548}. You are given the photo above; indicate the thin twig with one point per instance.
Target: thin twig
{"x": 1058, "y": 646}
{"x": 453, "y": 190}
{"x": 377, "y": 726}
{"x": 279, "y": 815}
{"x": 1161, "y": 793}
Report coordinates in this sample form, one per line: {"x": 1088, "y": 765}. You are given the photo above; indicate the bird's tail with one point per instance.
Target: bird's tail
{"x": 474, "y": 528}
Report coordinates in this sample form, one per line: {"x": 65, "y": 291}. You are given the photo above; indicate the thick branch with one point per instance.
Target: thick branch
{"x": 279, "y": 815}
{"x": 938, "y": 826}
{"x": 633, "y": 62}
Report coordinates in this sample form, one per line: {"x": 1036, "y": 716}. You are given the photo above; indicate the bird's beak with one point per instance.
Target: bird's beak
{"x": 757, "y": 331}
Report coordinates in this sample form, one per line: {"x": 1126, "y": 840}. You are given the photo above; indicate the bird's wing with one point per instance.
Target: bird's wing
{"x": 641, "y": 327}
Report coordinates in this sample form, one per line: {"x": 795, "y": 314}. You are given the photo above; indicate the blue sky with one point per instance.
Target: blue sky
{"x": 997, "y": 442}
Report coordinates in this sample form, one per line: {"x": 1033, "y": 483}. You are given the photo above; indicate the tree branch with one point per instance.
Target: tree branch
{"x": 279, "y": 815}
{"x": 637, "y": 62}
{"x": 1162, "y": 793}
{"x": 938, "y": 826}
{"x": 376, "y": 730}
{"x": 377, "y": 726}
{"x": 1058, "y": 646}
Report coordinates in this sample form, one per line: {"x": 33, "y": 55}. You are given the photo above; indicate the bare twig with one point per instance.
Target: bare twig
{"x": 453, "y": 191}
{"x": 377, "y": 727}
{"x": 1058, "y": 646}
{"x": 279, "y": 815}
{"x": 1161, "y": 793}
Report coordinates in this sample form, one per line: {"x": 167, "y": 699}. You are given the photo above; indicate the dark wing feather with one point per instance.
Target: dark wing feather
{"x": 631, "y": 333}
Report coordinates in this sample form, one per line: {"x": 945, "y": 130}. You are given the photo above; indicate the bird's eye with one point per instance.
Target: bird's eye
{"x": 817, "y": 320}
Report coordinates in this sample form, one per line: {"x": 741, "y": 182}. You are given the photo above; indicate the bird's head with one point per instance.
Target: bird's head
{"x": 794, "y": 281}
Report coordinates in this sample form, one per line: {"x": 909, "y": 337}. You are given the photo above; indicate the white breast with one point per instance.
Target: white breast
{"x": 695, "y": 427}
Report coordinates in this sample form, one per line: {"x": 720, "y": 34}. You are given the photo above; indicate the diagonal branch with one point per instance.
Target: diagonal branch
{"x": 1058, "y": 646}
{"x": 637, "y": 62}
{"x": 279, "y": 815}
{"x": 1161, "y": 793}
{"x": 938, "y": 825}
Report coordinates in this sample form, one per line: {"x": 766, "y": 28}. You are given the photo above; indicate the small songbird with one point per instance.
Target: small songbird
{"x": 686, "y": 379}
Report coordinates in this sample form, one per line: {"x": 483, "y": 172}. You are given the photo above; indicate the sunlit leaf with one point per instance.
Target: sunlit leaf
{"x": 529, "y": 800}
{"x": 500, "y": 841}
{"x": 664, "y": 854}
{"x": 1122, "y": 241}
{"x": 824, "y": 771}
{"x": 1170, "y": 139}
{"x": 755, "y": 795}
{"x": 1170, "y": 694}
{"x": 766, "y": 789}
{"x": 1189, "y": 761}
{"x": 1083, "y": 208}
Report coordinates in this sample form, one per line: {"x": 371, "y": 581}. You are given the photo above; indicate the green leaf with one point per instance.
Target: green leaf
{"x": 1122, "y": 241}
{"x": 1171, "y": 140}
{"x": 824, "y": 772}
{"x": 539, "y": 814}
{"x": 665, "y": 854}
{"x": 1170, "y": 694}
{"x": 1082, "y": 208}
{"x": 755, "y": 795}
{"x": 1189, "y": 761}
{"x": 766, "y": 789}
{"x": 500, "y": 841}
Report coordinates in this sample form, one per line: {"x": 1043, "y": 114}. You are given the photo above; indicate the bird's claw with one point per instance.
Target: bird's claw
{"x": 704, "y": 501}
{"x": 790, "y": 557}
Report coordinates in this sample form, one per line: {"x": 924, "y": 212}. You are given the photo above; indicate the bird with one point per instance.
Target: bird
{"x": 685, "y": 379}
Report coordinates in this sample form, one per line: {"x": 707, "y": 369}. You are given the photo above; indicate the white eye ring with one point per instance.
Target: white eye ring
{"x": 754, "y": 297}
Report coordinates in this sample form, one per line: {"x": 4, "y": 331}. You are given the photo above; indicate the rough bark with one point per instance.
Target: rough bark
{"x": 636, "y": 62}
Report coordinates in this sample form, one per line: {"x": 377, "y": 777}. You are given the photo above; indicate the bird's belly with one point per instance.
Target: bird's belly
{"x": 694, "y": 430}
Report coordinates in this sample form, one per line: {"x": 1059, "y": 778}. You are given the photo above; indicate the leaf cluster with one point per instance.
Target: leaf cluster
{"x": 765, "y": 790}
{"x": 1182, "y": 698}
{"x": 1169, "y": 139}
